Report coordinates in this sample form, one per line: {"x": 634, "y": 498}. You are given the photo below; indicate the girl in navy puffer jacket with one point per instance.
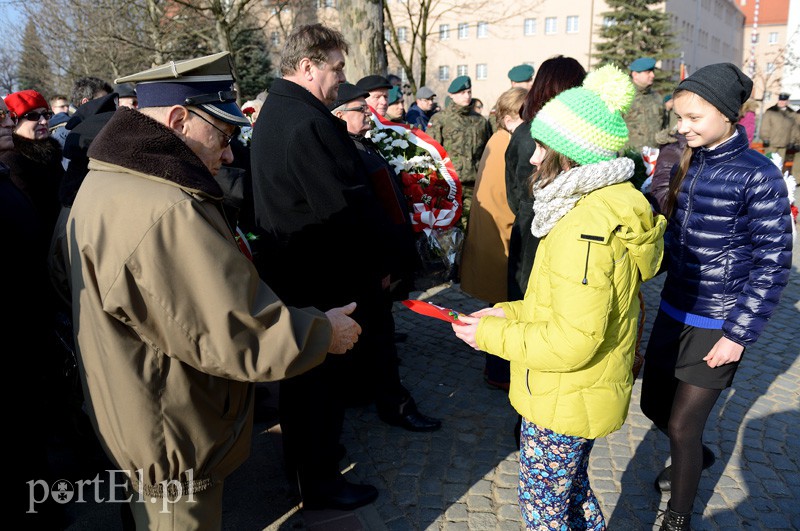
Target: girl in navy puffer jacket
{"x": 728, "y": 249}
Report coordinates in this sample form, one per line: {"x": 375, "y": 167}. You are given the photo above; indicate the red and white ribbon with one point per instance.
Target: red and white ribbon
{"x": 423, "y": 216}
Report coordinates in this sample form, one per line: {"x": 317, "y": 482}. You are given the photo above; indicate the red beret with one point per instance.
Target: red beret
{"x": 24, "y": 101}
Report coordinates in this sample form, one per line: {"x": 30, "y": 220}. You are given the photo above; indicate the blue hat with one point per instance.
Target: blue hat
{"x": 642, "y": 64}
{"x": 395, "y": 95}
{"x": 521, "y": 73}
{"x": 667, "y": 98}
{"x": 460, "y": 83}
{"x": 205, "y": 82}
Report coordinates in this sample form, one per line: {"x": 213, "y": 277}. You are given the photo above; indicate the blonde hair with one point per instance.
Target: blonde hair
{"x": 509, "y": 104}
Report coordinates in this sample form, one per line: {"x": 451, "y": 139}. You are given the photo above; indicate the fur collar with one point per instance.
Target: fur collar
{"x": 139, "y": 143}
{"x": 46, "y": 152}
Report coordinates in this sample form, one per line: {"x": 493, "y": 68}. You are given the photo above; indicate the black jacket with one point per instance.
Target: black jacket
{"x": 323, "y": 230}
{"x": 523, "y": 244}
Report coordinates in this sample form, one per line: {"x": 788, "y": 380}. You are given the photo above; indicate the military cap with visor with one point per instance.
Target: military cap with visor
{"x": 204, "y": 82}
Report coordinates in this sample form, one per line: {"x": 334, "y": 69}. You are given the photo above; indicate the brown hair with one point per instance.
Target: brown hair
{"x": 683, "y": 167}
{"x": 508, "y": 105}
{"x": 553, "y": 165}
{"x": 554, "y": 76}
{"x": 313, "y": 41}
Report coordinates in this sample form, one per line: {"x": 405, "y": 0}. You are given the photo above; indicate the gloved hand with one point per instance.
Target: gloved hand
{"x": 345, "y": 330}
{"x": 793, "y": 147}
{"x": 766, "y": 143}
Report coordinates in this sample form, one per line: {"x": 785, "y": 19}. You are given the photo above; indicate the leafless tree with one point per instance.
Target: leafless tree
{"x": 418, "y": 18}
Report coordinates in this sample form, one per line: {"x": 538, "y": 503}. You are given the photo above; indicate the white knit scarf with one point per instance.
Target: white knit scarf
{"x": 552, "y": 202}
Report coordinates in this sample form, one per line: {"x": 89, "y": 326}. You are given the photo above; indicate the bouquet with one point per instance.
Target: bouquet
{"x": 432, "y": 190}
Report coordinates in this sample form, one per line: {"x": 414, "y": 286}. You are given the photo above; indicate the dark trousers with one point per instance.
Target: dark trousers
{"x": 311, "y": 416}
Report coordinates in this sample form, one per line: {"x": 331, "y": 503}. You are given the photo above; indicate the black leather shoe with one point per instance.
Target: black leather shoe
{"x": 414, "y": 421}
{"x": 407, "y": 416}
{"x": 338, "y": 494}
{"x": 663, "y": 482}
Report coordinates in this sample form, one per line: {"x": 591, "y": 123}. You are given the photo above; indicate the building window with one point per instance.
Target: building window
{"x": 550, "y": 25}
{"x": 572, "y": 24}
{"x": 326, "y": 3}
{"x": 444, "y": 32}
{"x": 462, "y": 70}
{"x": 529, "y": 28}
{"x": 444, "y": 73}
{"x": 463, "y": 30}
{"x": 480, "y": 71}
{"x": 483, "y": 30}
{"x": 402, "y": 34}
{"x": 608, "y": 22}
{"x": 773, "y": 37}
{"x": 275, "y": 38}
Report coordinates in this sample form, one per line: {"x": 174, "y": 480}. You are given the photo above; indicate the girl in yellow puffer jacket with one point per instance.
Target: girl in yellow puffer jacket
{"x": 571, "y": 340}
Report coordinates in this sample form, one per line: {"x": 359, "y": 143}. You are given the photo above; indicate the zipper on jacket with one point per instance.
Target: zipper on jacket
{"x": 586, "y": 267}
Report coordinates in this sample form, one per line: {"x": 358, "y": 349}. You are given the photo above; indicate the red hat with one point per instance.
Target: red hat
{"x": 24, "y": 101}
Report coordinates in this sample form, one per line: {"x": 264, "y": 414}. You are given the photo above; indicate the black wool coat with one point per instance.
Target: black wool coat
{"x": 323, "y": 230}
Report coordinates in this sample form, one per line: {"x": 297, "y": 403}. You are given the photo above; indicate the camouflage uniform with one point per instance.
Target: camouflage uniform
{"x": 644, "y": 119}
{"x": 777, "y": 132}
{"x": 463, "y": 133}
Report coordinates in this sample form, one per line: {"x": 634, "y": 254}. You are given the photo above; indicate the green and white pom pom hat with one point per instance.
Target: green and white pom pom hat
{"x": 585, "y": 123}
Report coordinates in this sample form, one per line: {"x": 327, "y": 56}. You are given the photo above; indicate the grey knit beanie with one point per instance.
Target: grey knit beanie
{"x": 722, "y": 85}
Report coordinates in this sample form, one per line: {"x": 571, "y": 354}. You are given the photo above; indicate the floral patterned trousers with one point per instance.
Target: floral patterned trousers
{"x": 554, "y": 491}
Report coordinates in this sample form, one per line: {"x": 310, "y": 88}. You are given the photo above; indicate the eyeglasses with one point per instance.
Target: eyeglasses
{"x": 35, "y": 116}
{"x": 11, "y": 114}
{"x": 363, "y": 109}
{"x": 226, "y": 138}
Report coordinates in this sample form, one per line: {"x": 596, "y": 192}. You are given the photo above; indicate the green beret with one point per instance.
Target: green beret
{"x": 395, "y": 95}
{"x": 521, "y": 73}
{"x": 642, "y": 64}
{"x": 460, "y": 83}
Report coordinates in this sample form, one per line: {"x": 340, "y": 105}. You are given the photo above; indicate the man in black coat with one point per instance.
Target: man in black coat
{"x": 323, "y": 235}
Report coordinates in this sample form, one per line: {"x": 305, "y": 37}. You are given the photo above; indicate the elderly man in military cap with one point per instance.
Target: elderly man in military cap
{"x": 171, "y": 319}
{"x": 645, "y": 116}
{"x": 521, "y": 76}
{"x": 778, "y": 129}
{"x": 463, "y": 133}
{"x": 420, "y": 112}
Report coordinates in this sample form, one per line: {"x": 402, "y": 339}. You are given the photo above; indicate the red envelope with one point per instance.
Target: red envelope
{"x": 431, "y": 310}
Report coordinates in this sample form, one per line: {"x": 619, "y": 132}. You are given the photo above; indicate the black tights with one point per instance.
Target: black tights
{"x": 690, "y": 410}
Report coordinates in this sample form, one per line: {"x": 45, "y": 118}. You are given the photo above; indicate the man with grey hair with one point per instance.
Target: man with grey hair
{"x": 313, "y": 202}
{"x": 171, "y": 320}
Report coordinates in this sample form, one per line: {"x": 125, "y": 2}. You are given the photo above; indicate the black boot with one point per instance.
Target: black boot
{"x": 407, "y": 416}
{"x": 674, "y": 521}
{"x": 663, "y": 482}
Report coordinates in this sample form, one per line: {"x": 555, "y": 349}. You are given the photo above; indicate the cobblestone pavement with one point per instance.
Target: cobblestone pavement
{"x": 464, "y": 476}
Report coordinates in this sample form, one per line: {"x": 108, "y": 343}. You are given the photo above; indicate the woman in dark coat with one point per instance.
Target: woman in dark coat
{"x": 556, "y": 75}
{"x": 35, "y": 161}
